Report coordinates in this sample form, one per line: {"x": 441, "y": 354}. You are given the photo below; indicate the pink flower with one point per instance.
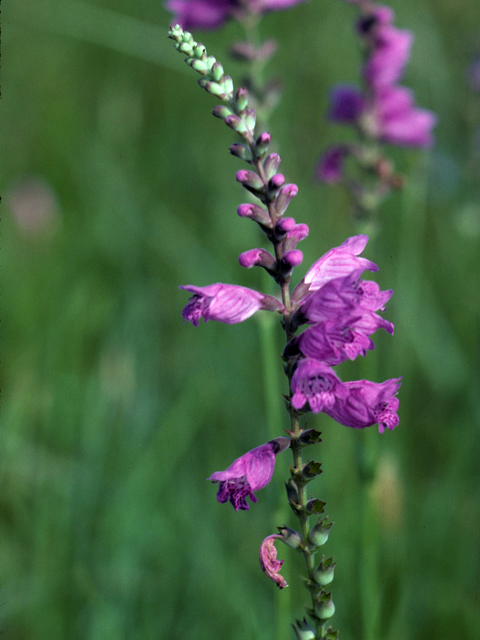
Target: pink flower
{"x": 269, "y": 563}
{"x": 317, "y": 385}
{"x": 330, "y": 166}
{"x": 390, "y": 53}
{"x": 367, "y": 403}
{"x": 346, "y": 104}
{"x": 398, "y": 121}
{"x": 338, "y": 262}
{"x": 247, "y": 474}
{"x": 226, "y": 303}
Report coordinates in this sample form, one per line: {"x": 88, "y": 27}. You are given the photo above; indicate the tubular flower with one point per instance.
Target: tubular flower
{"x": 367, "y": 403}
{"x": 226, "y": 303}
{"x": 247, "y": 474}
{"x": 316, "y": 384}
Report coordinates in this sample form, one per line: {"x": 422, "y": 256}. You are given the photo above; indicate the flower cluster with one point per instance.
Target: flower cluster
{"x": 211, "y": 14}
{"x": 383, "y": 111}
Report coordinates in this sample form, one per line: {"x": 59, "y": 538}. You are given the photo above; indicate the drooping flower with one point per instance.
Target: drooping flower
{"x": 268, "y": 560}
{"x": 247, "y": 474}
{"x": 317, "y": 385}
{"x": 367, "y": 403}
{"x": 211, "y": 14}
{"x": 226, "y": 303}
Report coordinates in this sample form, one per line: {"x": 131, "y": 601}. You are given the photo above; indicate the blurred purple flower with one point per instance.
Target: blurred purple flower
{"x": 210, "y": 14}
{"x": 390, "y": 52}
{"x": 226, "y": 303}
{"x": 247, "y": 474}
{"x": 268, "y": 560}
{"x": 346, "y": 104}
{"x": 367, "y": 403}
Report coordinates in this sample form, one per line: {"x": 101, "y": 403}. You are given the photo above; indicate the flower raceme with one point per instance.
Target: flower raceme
{"x": 247, "y": 474}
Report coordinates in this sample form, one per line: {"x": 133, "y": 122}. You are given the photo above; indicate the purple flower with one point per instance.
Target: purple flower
{"x": 333, "y": 342}
{"x": 247, "y": 474}
{"x": 346, "y": 104}
{"x": 330, "y": 167}
{"x": 397, "y": 120}
{"x": 390, "y": 53}
{"x": 268, "y": 560}
{"x": 338, "y": 262}
{"x": 317, "y": 385}
{"x": 210, "y": 14}
{"x": 226, "y": 303}
{"x": 367, "y": 403}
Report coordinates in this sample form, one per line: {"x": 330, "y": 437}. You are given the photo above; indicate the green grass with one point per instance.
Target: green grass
{"x": 113, "y": 412}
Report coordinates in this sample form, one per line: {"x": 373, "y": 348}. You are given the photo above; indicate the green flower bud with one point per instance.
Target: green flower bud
{"x": 241, "y": 151}
{"x": 250, "y": 119}
{"x": 303, "y": 630}
{"x": 319, "y": 534}
{"x": 270, "y": 165}
{"x": 222, "y": 111}
{"x": 212, "y": 87}
{"x": 241, "y": 99}
{"x": 237, "y": 124}
{"x": 199, "y": 50}
{"x": 211, "y": 61}
{"x": 261, "y": 144}
{"x": 217, "y": 72}
{"x": 324, "y": 607}
{"x": 228, "y": 86}
{"x": 198, "y": 65}
{"x": 184, "y": 47}
{"x": 291, "y": 537}
{"x": 323, "y": 574}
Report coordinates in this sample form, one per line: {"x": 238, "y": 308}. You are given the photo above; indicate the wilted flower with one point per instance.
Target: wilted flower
{"x": 269, "y": 563}
{"x": 226, "y": 303}
{"x": 247, "y": 474}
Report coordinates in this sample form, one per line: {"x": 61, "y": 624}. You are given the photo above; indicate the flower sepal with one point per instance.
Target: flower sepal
{"x": 318, "y": 536}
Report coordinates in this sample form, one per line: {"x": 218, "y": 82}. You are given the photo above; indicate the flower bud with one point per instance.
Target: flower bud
{"x": 213, "y": 88}
{"x": 198, "y": 65}
{"x": 253, "y": 211}
{"x": 324, "y": 607}
{"x": 241, "y": 151}
{"x": 291, "y": 537}
{"x": 222, "y": 111}
{"x": 294, "y": 236}
{"x": 200, "y": 51}
{"x": 217, "y": 72}
{"x": 292, "y": 495}
{"x": 241, "y": 99}
{"x": 270, "y": 165}
{"x": 257, "y": 257}
{"x": 283, "y": 226}
{"x": 211, "y": 61}
{"x": 303, "y": 630}
{"x": 184, "y": 47}
{"x": 288, "y": 192}
{"x": 250, "y": 119}
{"x": 275, "y": 184}
{"x": 237, "y": 124}
{"x": 262, "y": 143}
{"x": 319, "y": 534}
{"x": 251, "y": 181}
{"x": 292, "y": 258}
{"x": 228, "y": 86}
{"x": 323, "y": 574}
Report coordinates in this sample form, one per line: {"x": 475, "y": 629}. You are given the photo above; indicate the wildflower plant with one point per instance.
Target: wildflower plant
{"x": 328, "y": 318}
{"x": 381, "y": 112}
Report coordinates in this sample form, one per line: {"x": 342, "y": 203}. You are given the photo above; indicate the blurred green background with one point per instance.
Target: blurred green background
{"x": 117, "y": 187}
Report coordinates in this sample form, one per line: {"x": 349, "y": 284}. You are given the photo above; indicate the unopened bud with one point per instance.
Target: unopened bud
{"x": 292, "y": 495}
{"x": 294, "y": 236}
{"x": 270, "y": 165}
{"x": 198, "y": 65}
{"x": 184, "y": 47}
{"x": 250, "y": 119}
{"x": 275, "y": 184}
{"x": 241, "y": 99}
{"x": 283, "y": 226}
{"x": 213, "y": 88}
{"x": 323, "y": 574}
{"x": 200, "y": 51}
{"x": 249, "y": 179}
{"x": 319, "y": 534}
{"x": 217, "y": 72}
{"x": 258, "y": 258}
{"x": 237, "y": 124}
{"x": 292, "y": 259}
{"x": 262, "y": 143}
{"x": 241, "y": 151}
{"x": 288, "y": 192}
{"x": 256, "y": 213}
{"x": 228, "y": 86}
{"x": 222, "y": 111}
